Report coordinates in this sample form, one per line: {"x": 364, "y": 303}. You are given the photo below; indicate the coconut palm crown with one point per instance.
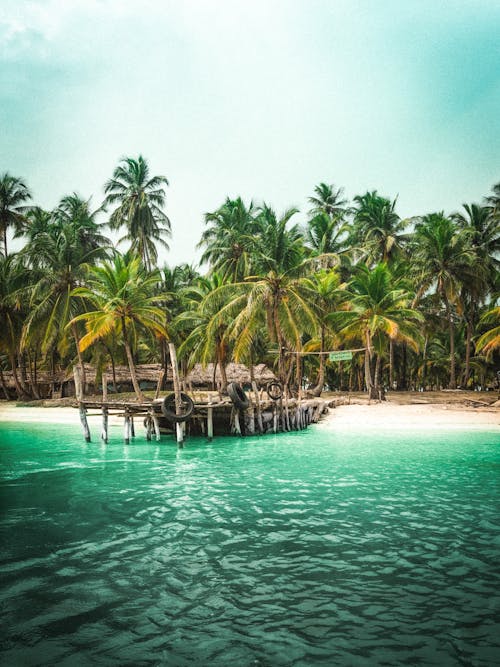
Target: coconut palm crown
{"x": 140, "y": 200}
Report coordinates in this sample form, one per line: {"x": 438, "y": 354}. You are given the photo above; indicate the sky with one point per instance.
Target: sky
{"x": 262, "y": 99}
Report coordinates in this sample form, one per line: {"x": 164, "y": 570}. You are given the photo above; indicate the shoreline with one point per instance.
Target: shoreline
{"x": 356, "y": 416}
{"x": 393, "y": 417}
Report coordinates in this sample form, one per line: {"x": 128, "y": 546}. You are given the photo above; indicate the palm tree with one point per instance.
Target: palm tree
{"x": 494, "y": 200}
{"x": 377, "y": 307}
{"x": 61, "y": 262}
{"x": 229, "y": 239}
{"x": 140, "y": 199}
{"x": 13, "y": 193}
{"x": 442, "y": 261}
{"x": 276, "y": 295}
{"x": 35, "y": 221}
{"x": 328, "y": 199}
{"x": 326, "y": 294}
{"x": 208, "y": 317}
{"x": 489, "y": 341}
{"x": 76, "y": 211}
{"x": 122, "y": 295}
{"x": 378, "y": 229}
{"x": 13, "y": 279}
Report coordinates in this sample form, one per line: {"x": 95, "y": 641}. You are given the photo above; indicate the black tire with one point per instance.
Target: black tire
{"x": 238, "y": 396}
{"x": 168, "y": 408}
{"x": 274, "y": 391}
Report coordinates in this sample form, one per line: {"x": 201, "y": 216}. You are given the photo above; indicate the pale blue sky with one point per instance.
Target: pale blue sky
{"x": 262, "y": 99}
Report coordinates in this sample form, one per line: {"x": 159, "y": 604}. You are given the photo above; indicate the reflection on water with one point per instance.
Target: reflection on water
{"x": 301, "y": 549}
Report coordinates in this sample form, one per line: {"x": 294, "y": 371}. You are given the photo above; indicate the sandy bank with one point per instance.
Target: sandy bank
{"x": 57, "y": 415}
{"x": 393, "y": 417}
{"x": 381, "y": 416}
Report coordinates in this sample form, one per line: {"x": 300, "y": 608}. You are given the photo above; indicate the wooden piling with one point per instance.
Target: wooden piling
{"x": 156, "y": 425}
{"x": 85, "y": 424}
{"x": 177, "y": 392}
{"x": 104, "y": 430}
{"x": 126, "y": 428}
{"x": 210, "y": 423}
{"x": 149, "y": 426}
{"x": 258, "y": 408}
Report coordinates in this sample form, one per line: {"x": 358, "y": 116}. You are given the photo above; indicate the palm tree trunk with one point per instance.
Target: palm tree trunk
{"x": 468, "y": 345}
{"x": 424, "y": 364}
{"x": 221, "y": 360}
{"x": 451, "y": 329}
{"x": 74, "y": 331}
{"x": 3, "y": 385}
{"x": 280, "y": 341}
{"x": 21, "y": 393}
{"x": 321, "y": 373}
{"x": 368, "y": 371}
{"x": 391, "y": 362}
{"x": 131, "y": 365}
{"x": 34, "y": 387}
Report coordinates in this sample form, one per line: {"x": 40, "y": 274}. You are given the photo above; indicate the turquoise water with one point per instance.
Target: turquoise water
{"x": 311, "y": 548}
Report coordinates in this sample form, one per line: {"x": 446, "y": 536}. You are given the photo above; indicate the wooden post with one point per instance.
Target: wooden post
{"x": 132, "y": 426}
{"x": 237, "y": 426}
{"x": 251, "y": 420}
{"x": 78, "y": 383}
{"x": 210, "y": 423}
{"x": 85, "y": 425}
{"x": 104, "y": 430}
{"x": 156, "y": 425}
{"x": 149, "y": 429}
{"x": 275, "y": 417}
{"x": 159, "y": 384}
{"x": 79, "y": 397}
{"x": 104, "y": 387}
{"x": 257, "y": 404}
{"x": 126, "y": 428}
{"x": 177, "y": 393}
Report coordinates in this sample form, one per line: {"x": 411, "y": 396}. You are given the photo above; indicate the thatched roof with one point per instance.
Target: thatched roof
{"x": 198, "y": 376}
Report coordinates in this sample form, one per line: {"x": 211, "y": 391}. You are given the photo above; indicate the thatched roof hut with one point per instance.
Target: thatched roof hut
{"x": 204, "y": 377}
{"x": 61, "y": 381}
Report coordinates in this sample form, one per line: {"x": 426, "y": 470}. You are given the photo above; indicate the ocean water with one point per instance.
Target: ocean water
{"x": 310, "y": 548}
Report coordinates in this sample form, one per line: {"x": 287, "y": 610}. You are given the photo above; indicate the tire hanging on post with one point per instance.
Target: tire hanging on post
{"x": 238, "y": 396}
{"x": 168, "y": 408}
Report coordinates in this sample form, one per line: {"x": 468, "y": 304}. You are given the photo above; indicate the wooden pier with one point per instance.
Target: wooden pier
{"x": 270, "y": 410}
{"x": 209, "y": 416}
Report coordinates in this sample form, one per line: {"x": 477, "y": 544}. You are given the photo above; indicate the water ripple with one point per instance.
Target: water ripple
{"x": 289, "y": 550}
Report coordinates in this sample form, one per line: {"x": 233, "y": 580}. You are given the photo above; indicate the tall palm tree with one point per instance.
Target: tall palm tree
{"x": 208, "y": 318}
{"x": 275, "y": 294}
{"x": 61, "y": 262}
{"x": 123, "y": 298}
{"x": 442, "y": 261}
{"x": 494, "y": 199}
{"x": 326, "y": 293}
{"x": 140, "y": 200}
{"x": 377, "y": 228}
{"x": 35, "y": 221}
{"x": 13, "y": 279}
{"x": 489, "y": 341}
{"x": 13, "y": 194}
{"x": 76, "y": 211}
{"x": 329, "y": 200}
{"x": 229, "y": 239}
{"x": 377, "y": 307}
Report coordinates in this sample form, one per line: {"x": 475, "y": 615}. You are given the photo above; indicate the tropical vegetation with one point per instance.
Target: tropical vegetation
{"x": 414, "y": 299}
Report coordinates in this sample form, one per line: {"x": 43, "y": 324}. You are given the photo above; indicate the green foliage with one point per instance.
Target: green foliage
{"x": 421, "y": 300}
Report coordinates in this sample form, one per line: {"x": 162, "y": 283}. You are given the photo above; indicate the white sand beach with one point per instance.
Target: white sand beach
{"x": 386, "y": 415}
{"x": 394, "y": 417}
